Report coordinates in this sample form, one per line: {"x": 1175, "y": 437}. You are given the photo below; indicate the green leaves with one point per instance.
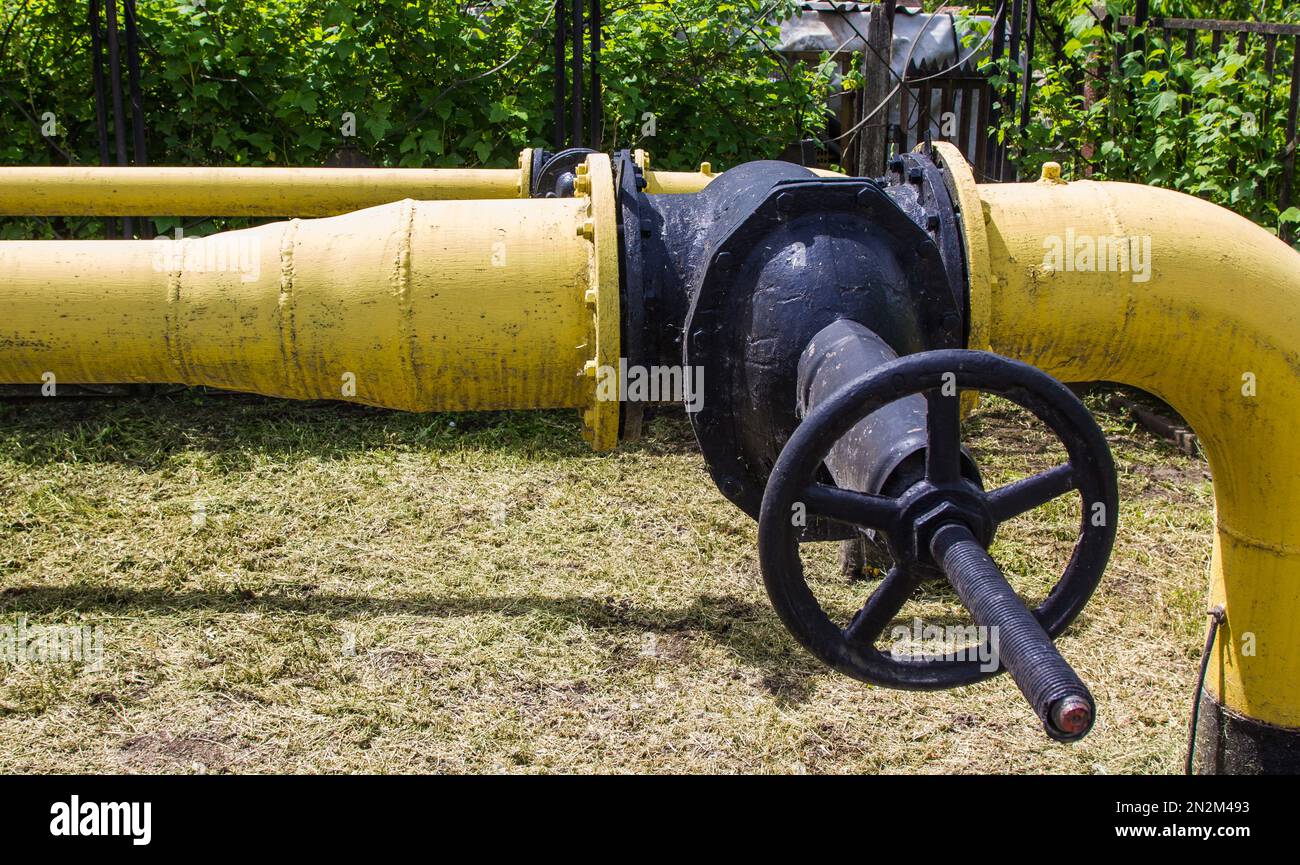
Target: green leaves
{"x": 431, "y": 82}
{"x": 1166, "y": 100}
{"x": 1210, "y": 124}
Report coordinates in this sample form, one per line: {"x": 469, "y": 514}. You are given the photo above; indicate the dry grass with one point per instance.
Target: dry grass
{"x": 377, "y": 592}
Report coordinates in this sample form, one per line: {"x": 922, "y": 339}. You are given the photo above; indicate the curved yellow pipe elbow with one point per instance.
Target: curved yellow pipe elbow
{"x": 1190, "y": 302}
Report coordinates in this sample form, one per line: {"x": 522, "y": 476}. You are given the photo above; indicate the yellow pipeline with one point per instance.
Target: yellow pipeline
{"x": 161, "y": 191}
{"x": 151, "y": 191}
{"x": 678, "y": 182}
{"x": 1210, "y": 323}
{"x": 422, "y": 306}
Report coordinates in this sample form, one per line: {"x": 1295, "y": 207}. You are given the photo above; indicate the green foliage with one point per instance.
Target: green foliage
{"x": 433, "y": 82}
{"x": 1211, "y": 124}
{"x": 427, "y": 83}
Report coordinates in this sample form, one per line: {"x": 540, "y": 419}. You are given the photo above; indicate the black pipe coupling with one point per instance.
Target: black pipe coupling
{"x": 736, "y": 279}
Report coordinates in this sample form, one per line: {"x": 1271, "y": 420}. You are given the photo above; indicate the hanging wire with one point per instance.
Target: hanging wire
{"x": 1217, "y": 617}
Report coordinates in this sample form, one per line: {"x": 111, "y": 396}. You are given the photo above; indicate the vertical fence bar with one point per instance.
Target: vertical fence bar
{"x": 992, "y": 166}
{"x": 1262, "y": 137}
{"x": 967, "y": 114}
{"x": 597, "y": 109}
{"x": 1017, "y": 16}
{"x": 904, "y": 116}
{"x": 946, "y": 105}
{"x": 924, "y": 101}
{"x": 575, "y": 41}
{"x": 1288, "y": 171}
{"x": 982, "y": 137}
{"x": 1027, "y": 87}
{"x": 138, "y": 148}
{"x": 1140, "y": 20}
{"x": 561, "y": 79}
{"x": 119, "y": 110}
{"x": 101, "y": 107}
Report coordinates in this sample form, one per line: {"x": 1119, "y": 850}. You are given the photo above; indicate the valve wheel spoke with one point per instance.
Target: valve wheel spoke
{"x": 943, "y": 437}
{"x": 881, "y": 608}
{"x": 849, "y": 506}
{"x": 1028, "y": 493}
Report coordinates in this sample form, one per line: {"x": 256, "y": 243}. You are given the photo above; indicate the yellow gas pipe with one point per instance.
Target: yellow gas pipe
{"x": 1188, "y": 301}
{"x": 156, "y": 191}
{"x": 423, "y": 306}
{"x": 459, "y": 305}
{"x": 160, "y": 191}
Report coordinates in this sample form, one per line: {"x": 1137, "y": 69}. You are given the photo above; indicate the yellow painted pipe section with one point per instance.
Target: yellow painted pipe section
{"x": 164, "y": 191}
{"x": 680, "y": 182}
{"x": 154, "y": 191}
{"x": 1204, "y": 312}
{"x": 415, "y": 305}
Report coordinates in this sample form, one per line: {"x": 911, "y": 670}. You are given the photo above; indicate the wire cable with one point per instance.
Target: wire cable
{"x": 1217, "y": 618}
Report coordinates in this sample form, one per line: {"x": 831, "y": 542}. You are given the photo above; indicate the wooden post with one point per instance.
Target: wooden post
{"x": 873, "y": 142}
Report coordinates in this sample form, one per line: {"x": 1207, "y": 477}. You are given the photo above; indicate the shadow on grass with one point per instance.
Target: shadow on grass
{"x": 750, "y": 630}
{"x": 234, "y": 428}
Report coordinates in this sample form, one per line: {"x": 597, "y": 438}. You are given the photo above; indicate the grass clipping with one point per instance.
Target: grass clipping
{"x": 326, "y": 588}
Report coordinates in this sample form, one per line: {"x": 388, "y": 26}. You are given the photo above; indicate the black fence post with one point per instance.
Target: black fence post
{"x": 575, "y": 41}
{"x": 561, "y": 79}
{"x": 1027, "y": 87}
{"x": 1288, "y": 171}
{"x": 597, "y": 118}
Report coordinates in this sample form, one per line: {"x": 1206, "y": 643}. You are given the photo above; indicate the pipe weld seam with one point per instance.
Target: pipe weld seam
{"x": 287, "y": 306}
{"x": 409, "y": 341}
{"x": 174, "y": 336}
{"x": 1244, "y": 539}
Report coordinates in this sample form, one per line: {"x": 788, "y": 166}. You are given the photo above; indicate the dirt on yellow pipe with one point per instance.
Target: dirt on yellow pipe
{"x": 1168, "y": 293}
{"x": 415, "y": 305}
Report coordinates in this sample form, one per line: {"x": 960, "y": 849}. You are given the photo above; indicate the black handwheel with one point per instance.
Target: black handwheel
{"x": 943, "y": 524}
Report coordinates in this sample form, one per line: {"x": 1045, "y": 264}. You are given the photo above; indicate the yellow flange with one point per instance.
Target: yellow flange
{"x": 595, "y": 183}
{"x": 524, "y": 188}
{"x": 965, "y": 194}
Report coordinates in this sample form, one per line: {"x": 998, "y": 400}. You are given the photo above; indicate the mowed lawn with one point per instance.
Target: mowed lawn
{"x": 324, "y": 588}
